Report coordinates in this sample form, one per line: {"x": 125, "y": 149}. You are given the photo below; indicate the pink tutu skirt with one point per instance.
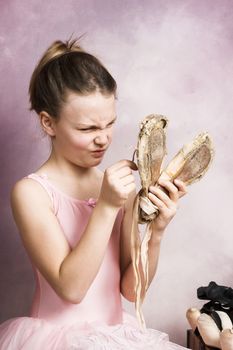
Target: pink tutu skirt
{"x": 27, "y": 333}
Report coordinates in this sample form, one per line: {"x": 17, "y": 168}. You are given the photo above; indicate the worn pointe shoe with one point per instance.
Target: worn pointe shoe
{"x": 192, "y": 161}
{"x": 192, "y": 316}
{"x": 226, "y": 339}
{"x": 150, "y": 152}
{"x": 189, "y": 164}
{"x": 151, "y": 149}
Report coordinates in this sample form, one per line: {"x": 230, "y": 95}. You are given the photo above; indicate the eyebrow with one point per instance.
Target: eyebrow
{"x": 93, "y": 126}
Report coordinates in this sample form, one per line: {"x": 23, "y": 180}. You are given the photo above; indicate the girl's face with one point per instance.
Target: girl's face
{"x": 84, "y": 130}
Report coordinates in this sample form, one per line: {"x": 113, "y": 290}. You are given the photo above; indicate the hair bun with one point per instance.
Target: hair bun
{"x": 59, "y": 48}
{"x": 73, "y": 44}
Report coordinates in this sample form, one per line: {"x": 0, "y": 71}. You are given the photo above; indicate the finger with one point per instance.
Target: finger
{"x": 159, "y": 193}
{"x": 155, "y": 200}
{"x": 123, "y": 163}
{"x": 127, "y": 180}
{"x": 122, "y": 172}
{"x": 173, "y": 191}
{"x": 131, "y": 187}
{"x": 182, "y": 187}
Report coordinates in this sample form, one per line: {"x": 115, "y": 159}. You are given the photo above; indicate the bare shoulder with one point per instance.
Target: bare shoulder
{"x": 29, "y": 192}
{"x": 31, "y": 206}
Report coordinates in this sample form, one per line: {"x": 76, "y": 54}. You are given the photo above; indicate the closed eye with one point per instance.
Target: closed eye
{"x": 94, "y": 128}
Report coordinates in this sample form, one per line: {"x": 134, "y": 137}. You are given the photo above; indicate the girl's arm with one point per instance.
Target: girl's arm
{"x": 167, "y": 204}
{"x": 69, "y": 272}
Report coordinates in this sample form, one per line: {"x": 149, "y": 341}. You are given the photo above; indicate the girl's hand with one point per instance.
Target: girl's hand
{"x": 167, "y": 202}
{"x": 118, "y": 183}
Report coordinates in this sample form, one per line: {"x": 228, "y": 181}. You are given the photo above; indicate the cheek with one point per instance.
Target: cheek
{"x": 82, "y": 141}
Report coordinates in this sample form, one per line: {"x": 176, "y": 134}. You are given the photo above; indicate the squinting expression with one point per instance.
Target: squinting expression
{"x": 84, "y": 130}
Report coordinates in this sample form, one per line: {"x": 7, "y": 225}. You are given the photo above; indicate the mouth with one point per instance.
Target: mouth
{"x": 99, "y": 153}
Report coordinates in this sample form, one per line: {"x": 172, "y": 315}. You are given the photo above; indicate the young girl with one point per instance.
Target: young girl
{"x": 75, "y": 221}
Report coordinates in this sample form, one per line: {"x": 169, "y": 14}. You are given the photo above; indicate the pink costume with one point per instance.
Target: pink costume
{"x": 98, "y": 322}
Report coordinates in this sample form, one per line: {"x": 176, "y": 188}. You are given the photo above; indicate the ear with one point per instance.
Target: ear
{"x": 47, "y": 123}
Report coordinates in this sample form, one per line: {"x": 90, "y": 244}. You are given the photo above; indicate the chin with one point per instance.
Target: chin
{"x": 92, "y": 164}
{"x": 97, "y": 162}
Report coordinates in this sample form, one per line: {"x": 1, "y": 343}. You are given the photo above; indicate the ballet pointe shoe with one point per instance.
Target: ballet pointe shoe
{"x": 226, "y": 339}
{"x": 150, "y": 152}
{"x": 192, "y": 161}
{"x": 192, "y": 316}
{"x": 209, "y": 331}
{"x": 189, "y": 164}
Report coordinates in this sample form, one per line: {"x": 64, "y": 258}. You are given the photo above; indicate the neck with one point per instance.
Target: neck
{"x": 56, "y": 165}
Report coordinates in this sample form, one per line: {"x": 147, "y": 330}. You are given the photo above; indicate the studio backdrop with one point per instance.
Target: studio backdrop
{"x": 171, "y": 57}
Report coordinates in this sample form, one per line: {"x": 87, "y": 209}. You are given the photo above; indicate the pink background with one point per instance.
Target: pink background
{"x": 169, "y": 57}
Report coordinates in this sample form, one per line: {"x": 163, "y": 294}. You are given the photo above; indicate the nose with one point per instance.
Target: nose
{"x": 102, "y": 138}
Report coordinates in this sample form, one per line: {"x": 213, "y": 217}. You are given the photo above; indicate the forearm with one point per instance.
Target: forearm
{"x": 81, "y": 265}
{"x": 128, "y": 279}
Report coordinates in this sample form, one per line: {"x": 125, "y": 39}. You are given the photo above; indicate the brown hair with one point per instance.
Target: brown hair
{"x": 64, "y": 67}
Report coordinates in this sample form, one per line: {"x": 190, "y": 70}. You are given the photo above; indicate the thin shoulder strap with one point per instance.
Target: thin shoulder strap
{"x": 42, "y": 180}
